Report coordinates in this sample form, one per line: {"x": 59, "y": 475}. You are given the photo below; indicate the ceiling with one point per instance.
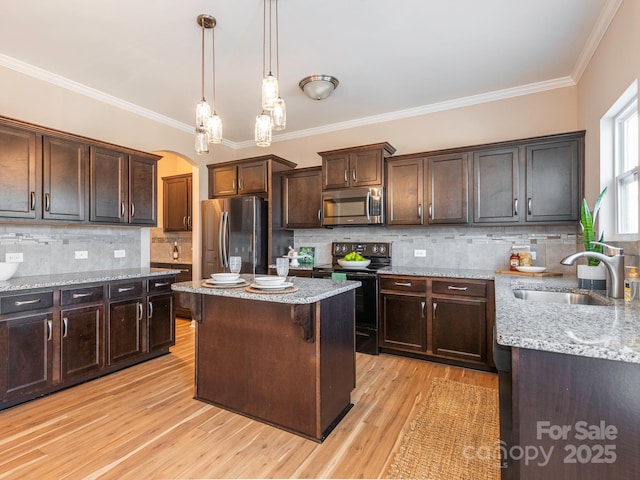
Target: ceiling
{"x": 392, "y": 58}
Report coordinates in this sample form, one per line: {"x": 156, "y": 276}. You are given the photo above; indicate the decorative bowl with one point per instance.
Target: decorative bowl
{"x": 354, "y": 264}
{"x": 270, "y": 280}
{"x": 225, "y": 277}
{"x": 7, "y": 269}
{"x": 531, "y": 269}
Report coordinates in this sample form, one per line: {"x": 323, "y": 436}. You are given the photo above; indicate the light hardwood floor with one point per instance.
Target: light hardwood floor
{"x": 143, "y": 423}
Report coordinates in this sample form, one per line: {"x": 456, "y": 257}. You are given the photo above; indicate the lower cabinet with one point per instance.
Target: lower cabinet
{"x": 448, "y": 320}
{"x": 54, "y": 339}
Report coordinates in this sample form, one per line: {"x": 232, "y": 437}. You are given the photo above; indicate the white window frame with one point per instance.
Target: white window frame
{"x": 624, "y": 174}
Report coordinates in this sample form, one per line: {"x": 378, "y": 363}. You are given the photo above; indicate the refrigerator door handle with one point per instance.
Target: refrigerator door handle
{"x": 220, "y": 246}
{"x": 227, "y": 234}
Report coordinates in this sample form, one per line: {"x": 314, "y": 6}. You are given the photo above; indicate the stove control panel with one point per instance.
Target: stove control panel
{"x": 340, "y": 249}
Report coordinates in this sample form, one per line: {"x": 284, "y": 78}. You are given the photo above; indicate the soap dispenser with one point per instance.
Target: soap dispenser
{"x": 632, "y": 285}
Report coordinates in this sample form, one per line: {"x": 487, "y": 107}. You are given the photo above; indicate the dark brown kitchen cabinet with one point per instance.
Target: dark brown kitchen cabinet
{"x": 301, "y": 198}
{"x": 185, "y": 275}
{"x": 403, "y": 314}
{"x": 355, "y": 167}
{"x": 122, "y": 187}
{"x": 82, "y": 345}
{"x": 160, "y": 313}
{"x": 126, "y": 322}
{"x": 496, "y": 186}
{"x": 26, "y": 350}
{"x": 177, "y": 203}
{"x": 553, "y": 180}
{"x": 64, "y": 179}
{"x": 405, "y": 194}
{"x": 446, "y": 186}
{"x": 19, "y": 163}
{"x": 242, "y": 178}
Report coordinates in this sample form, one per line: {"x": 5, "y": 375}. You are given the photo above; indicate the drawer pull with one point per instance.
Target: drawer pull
{"x": 27, "y": 302}
{"x": 125, "y": 289}
{"x": 82, "y": 295}
{"x": 403, "y": 284}
{"x": 161, "y": 284}
{"x": 49, "y": 329}
{"x": 461, "y": 289}
{"x": 185, "y": 271}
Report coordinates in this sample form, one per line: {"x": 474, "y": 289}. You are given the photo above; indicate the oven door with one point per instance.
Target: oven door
{"x": 353, "y": 206}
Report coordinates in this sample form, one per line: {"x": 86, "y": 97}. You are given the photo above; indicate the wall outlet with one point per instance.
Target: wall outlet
{"x": 82, "y": 254}
{"x": 14, "y": 257}
{"x": 419, "y": 253}
{"x": 119, "y": 253}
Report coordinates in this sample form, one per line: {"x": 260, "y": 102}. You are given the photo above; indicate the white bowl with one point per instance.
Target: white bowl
{"x": 7, "y": 269}
{"x": 531, "y": 269}
{"x": 225, "y": 277}
{"x": 270, "y": 280}
{"x": 354, "y": 264}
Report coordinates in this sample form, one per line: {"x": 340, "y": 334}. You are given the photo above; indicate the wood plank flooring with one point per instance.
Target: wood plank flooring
{"x": 143, "y": 423}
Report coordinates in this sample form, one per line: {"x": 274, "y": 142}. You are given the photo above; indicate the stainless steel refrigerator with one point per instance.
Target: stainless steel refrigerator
{"x": 234, "y": 226}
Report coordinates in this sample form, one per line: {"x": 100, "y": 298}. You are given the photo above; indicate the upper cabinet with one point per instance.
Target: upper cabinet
{"x": 59, "y": 177}
{"x": 355, "y": 167}
{"x": 177, "y": 203}
{"x": 242, "y": 178}
{"x": 301, "y": 198}
{"x": 496, "y": 185}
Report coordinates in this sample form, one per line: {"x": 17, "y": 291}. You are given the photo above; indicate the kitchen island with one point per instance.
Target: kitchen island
{"x": 284, "y": 359}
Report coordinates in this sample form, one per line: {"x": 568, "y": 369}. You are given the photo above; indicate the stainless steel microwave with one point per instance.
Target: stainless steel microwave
{"x": 353, "y": 206}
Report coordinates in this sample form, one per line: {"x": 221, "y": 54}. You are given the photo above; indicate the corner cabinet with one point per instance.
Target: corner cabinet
{"x": 355, "y": 167}
{"x": 51, "y": 176}
{"x": 177, "y": 200}
{"x": 302, "y": 198}
{"x": 438, "y": 319}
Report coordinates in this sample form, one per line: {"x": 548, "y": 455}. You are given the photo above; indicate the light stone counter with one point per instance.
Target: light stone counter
{"x": 610, "y": 331}
{"x": 310, "y": 290}
{"x": 63, "y": 279}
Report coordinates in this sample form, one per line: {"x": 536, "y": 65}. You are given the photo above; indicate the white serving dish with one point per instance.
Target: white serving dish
{"x": 354, "y": 264}
{"x": 225, "y": 277}
{"x": 531, "y": 269}
{"x": 7, "y": 269}
{"x": 234, "y": 281}
{"x": 270, "y": 280}
{"x": 273, "y": 287}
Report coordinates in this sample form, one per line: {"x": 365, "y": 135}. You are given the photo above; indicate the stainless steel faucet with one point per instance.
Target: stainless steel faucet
{"x": 613, "y": 260}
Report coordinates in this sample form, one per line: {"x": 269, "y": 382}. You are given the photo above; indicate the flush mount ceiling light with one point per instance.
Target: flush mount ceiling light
{"x": 318, "y": 87}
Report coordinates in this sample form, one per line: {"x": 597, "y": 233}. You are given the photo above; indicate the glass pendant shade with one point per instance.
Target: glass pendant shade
{"x": 202, "y": 140}
{"x": 263, "y": 130}
{"x": 269, "y": 91}
{"x": 214, "y": 128}
{"x": 203, "y": 112}
{"x": 279, "y": 114}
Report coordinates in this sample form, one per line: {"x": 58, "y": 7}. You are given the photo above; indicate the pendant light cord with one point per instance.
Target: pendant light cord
{"x": 213, "y": 66}
{"x": 264, "y": 38}
{"x": 202, "y": 69}
{"x": 277, "y": 44}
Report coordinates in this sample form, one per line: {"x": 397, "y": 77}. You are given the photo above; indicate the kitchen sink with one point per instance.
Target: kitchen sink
{"x": 545, "y": 296}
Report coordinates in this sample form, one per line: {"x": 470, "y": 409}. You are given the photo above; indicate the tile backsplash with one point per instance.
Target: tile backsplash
{"x": 162, "y": 245}
{"x": 52, "y": 249}
{"x": 454, "y": 247}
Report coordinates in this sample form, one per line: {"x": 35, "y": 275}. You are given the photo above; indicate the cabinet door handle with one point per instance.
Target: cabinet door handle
{"x": 353, "y": 175}
{"x": 65, "y": 327}
{"x": 47, "y": 202}
{"x": 515, "y": 207}
{"x": 122, "y": 209}
{"x": 529, "y": 206}
{"x": 319, "y": 214}
{"x": 49, "y": 330}
{"x": 431, "y": 211}
{"x": 184, "y": 222}
{"x": 82, "y": 295}
{"x": 33, "y": 200}
{"x": 422, "y": 306}
{"x": 241, "y": 184}
{"x": 189, "y": 221}
{"x": 461, "y": 289}
{"x": 150, "y": 310}
{"x": 125, "y": 289}
{"x": 346, "y": 179}
{"x": 233, "y": 184}
{"x": 18, "y": 303}
{"x": 133, "y": 209}
{"x": 162, "y": 284}
{"x": 403, "y": 284}
{"x": 139, "y": 316}
{"x": 435, "y": 308}
{"x": 420, "y": 211}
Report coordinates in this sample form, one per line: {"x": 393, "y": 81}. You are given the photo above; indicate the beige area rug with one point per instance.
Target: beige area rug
{"x": 454, "y": 436}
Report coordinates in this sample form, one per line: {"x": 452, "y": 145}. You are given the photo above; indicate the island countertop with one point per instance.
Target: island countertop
{"x": 310, "y": 290}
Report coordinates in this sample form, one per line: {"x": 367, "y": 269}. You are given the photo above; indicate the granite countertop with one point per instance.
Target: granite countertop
{"x": 310, "y": 290}
{"x": 63, "y": 279}
{"x": 438, "y": 272}
{"x": 180, "y": 261}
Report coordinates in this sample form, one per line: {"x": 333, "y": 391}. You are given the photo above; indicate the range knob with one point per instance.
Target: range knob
{"x": 375, "y": 249}
{"x": 382, "y": 249}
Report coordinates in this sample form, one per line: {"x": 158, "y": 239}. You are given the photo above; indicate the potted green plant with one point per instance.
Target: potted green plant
{"x": 593, "y": 275}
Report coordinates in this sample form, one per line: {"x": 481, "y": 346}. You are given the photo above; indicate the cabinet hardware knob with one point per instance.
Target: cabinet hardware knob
{"x": 26, "y": 302}
{"x": 184, "y": 222}
{"x": 420, "y": 211}
{"x": 462, "y": 289}
{"x": 319, "y": 214}
{"x": 353, "y": 175}
{"x": 515, "y": 207}
{"x": 139, "y": 316}
{"x": 233, "y": 184}
{"x": 529, "y": 206}
{"x": 122, "y": 209}
{"x": 33, "y": 200}
{"x": 346, "y": 179}
{"x": 47, "y": 202}
{"x": 49, "y": 329}
{"x": 431, "y": 211}
{"x": 422, "y": 306}
{"x": 150, "y": 310}
{"x": 189, "y": 221}
{"x": 435, "y": 308}
{"x": 65, "y": 327}
{"x": 133, "y": 209}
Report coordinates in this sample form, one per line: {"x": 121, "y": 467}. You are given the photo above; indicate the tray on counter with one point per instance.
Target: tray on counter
{"x": 530, "y": 274}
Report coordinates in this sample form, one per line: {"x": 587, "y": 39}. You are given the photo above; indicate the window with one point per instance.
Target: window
{"x": 625, "y": 148}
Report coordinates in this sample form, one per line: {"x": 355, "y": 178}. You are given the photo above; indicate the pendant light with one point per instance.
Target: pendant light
{"x": 214, "y": 123}
{"x": 279, "y": 110}
{"x": 263, "y": 129}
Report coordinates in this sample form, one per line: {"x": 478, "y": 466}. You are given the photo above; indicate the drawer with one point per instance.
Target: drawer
{"x": 81, "y": 295}
{"x": 159, "y": 285}
{"x": 404, "y": 284}
{"x": 26, "y": 302}
{"x": 455, "y": 287}
{"x": 125, "y": 290}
